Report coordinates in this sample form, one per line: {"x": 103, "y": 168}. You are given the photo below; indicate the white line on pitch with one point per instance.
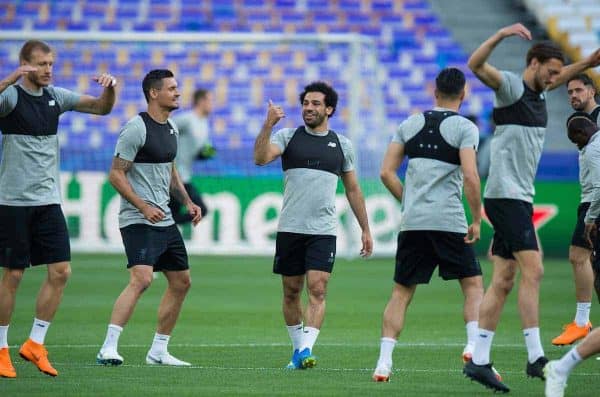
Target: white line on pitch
{"x": 277, "y": 344}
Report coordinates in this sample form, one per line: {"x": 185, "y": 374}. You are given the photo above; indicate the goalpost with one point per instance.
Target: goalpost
{"x": 244, "y": 71}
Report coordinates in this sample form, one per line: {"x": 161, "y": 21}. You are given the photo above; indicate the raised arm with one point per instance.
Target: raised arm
{"x": 357, "y": 203}
{"x": 177, "y": 190}
{"x": 15, "y": 76}
{"x": 264, "y": 150}
{"x": 487, "y": 73}
{"x": 472, "y": 186}
{"x": 573, "y": 69}
{"x": 102, "y": 104}
{"x": 118, "y": 179}
{"x": 389, "y": 169}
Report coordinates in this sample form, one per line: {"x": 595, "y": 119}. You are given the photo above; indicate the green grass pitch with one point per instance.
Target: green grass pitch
{"x": 232, "y": 330}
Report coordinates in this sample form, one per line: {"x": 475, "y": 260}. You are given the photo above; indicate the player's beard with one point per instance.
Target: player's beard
{"x": 316, "y": 121}
{"x": 37, "y": 81}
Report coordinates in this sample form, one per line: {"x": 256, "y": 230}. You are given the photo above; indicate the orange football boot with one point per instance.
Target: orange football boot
{"x": 38, "y": 355}
{"x": 572, "y": 333}
{"x": 6, "y": 368}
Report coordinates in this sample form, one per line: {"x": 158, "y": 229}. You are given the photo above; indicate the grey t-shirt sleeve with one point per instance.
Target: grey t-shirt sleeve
{"x": 131, "y": 138}
{"x": 510, "y": 90}
{"x": 8, "y": 100}
{"x": 282, "y": 137}
{"x": 348, "y": 152}
{"x": 67, "y": 99}
{"x": 470, "y": 135}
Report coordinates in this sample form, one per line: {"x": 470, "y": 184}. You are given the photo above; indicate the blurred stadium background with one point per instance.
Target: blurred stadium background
{"x": 381, "y": 55}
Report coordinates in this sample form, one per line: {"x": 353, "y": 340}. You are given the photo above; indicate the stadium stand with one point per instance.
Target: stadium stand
{"x": 412, "y": 46}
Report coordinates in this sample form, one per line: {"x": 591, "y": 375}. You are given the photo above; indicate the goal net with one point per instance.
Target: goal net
{"x": 243, "y": 71}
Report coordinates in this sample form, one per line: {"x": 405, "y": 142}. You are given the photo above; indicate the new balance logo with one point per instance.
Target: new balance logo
{"x": 52, "y": 102}
{"x": 332, "y": 144}
{"x": 171, "y": 131}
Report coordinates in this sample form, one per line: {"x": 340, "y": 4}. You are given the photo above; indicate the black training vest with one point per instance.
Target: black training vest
{"x": 528, "y": 111}
{"x": 305, "y": 150}
{"x": 33, "y": 115}
{"x": 429, "y": 142}
{"x": 594, "y": 114}
{"x": 161, "y": 142}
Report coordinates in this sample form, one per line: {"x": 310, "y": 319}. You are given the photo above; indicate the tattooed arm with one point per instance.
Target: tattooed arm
{"x": 118, "y": 179}
{"x": 178, "y": 191}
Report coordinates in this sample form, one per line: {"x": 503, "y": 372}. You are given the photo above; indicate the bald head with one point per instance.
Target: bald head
{"x": 580, "y": 128}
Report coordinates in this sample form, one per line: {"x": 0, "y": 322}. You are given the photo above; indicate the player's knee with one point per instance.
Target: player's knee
{"x": 183, "y": 285}
{"x": 12, "y": 278}
{"x": 291, "y": 294}
{"x": 141, "y": 283}
{"x": 504, "y": 284}
{"x": 317, "y": 292}
{"x": 59, "y": 274}
{"x": 578, "y": 261}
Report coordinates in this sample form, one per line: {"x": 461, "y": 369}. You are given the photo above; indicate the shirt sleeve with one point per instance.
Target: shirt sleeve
{"x": 131, "y": 139}
{"x": 399, "y": 136}
{"x": 592, "y": 157}
{"x": 510, "y": 90}
{"x": 8, "y": 100}
{"x": 348, "y": 152}
{"x": 470, "y": 136}
{"x": 282, "y": 137}
{"x": 67, "y": 100}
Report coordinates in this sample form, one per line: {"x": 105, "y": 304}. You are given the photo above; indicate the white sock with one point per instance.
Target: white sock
{"x": 112, "y": 337}
{"x": 386, "y": 348}
{"x": 38, "y": 331}
{"x": 565, "y": 365}
{"x": 310, "y": 337}
{"x": 472, "y": 332}
{"x": 296, "y": 333}
{"x": 159, "y": 344}
{"x": 3, "y": 336}
{"x": 582, "y": 316}
{"x": 483, "y": 346}
{"x": 533, "y": 343}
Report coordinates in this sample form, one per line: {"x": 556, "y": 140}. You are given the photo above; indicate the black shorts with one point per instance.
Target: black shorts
{"x": 420, "y": 251}
{"x": 513, "y": 226}
{"x": 297, "y": 253}
{"x": 31, "y": 236}
{"x": 578, "y": 239}
{"x": 159, "y": 246}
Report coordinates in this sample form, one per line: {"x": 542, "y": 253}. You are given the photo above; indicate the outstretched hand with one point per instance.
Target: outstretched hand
{"x": 106, "y": 80}
{"x": 517, "y": 29}
{"x": 594, "y": 58}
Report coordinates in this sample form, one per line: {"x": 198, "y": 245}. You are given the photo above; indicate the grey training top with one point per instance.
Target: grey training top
{"x": 585, "y": 176}
{"x": 193, "y": 135}
{"x": 29, "y": 170}
{"x": 517, "y": 144}
{"x": 149, "y": 178}
{"x": 309, "y": 194}
{"x": 591, "y": 159}
{"x": 432, "y": 197}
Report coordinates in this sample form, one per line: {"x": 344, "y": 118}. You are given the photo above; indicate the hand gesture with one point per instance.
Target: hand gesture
{"x": 274, "y": 114}
{"x": 106, "y": 80}
{"x": 590, "y": 233}
{"x": 195, "y": 212}
{"x": 515, "y": 30}
{"x": 473, "y": 234}
{"x": 594, "y": 58}
{"x": 152, "y": 213}
{"x": 367, "y": 244}
{"x": 20, "y": 72}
